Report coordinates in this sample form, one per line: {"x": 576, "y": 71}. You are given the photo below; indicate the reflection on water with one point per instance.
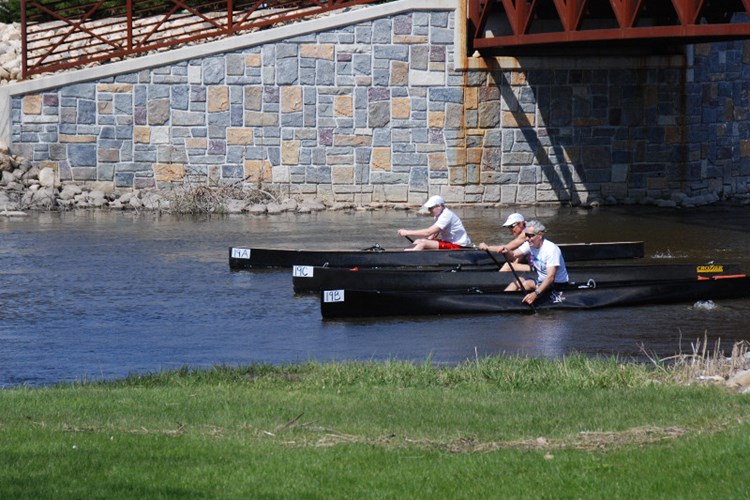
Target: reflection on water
{"x": 92, "y": 295}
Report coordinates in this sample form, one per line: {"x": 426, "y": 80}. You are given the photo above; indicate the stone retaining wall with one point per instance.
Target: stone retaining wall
{"x": 388, "y": 110}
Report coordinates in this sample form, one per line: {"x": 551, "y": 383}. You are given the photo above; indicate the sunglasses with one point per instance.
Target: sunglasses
{"x": 530, "y": 235}
{"x": 513, "y": 226}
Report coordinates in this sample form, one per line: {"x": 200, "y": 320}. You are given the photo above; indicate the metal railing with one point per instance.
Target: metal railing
{"x": 65, "y": 34}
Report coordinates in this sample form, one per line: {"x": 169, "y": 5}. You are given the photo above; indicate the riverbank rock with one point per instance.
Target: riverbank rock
{"x": 740, "y": 381}
{"x": 47, "y": 177}
{"x": 6, "y": 204}
{"x": 235, "y": 206}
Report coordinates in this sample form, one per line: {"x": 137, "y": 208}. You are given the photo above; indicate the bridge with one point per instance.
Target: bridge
{"x": 537, "y": 27}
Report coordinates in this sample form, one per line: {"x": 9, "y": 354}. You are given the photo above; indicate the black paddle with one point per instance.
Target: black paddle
{"x": 521, "y": 288}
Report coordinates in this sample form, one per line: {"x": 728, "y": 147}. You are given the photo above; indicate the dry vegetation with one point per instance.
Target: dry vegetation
{"x": 704, "y": 364}
{"x": 207, "y": 199}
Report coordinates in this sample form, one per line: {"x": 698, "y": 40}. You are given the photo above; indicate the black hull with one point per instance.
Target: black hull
{"x": 248, "y": 258}
{"x": 308, "y": 279}
{"x": 370, "y": 303}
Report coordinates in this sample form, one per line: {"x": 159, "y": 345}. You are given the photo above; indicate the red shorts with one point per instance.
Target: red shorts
{"x": 444, "y": 245}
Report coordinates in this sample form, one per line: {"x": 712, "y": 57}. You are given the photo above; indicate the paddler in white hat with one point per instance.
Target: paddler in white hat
{"x": 447, "y": 233}
{"x": 517, "y": 224}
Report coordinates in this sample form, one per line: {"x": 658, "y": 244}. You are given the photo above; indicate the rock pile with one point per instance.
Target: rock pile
{"x": 10, "y": 52}
{"x": 24, "y": 186}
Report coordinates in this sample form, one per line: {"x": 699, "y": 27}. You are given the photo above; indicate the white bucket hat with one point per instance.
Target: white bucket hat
{"x": 513, "y": 219}
{"x": 434, "y": 201}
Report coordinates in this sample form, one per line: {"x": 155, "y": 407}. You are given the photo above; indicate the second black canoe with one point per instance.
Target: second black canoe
{"x": 306, "y": 279}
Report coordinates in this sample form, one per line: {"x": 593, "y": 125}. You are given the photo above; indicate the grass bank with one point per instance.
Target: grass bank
{"x": 498, "y": 427}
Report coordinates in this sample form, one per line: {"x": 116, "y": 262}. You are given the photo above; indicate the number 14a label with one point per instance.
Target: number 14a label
{"x": 240, "y": 253}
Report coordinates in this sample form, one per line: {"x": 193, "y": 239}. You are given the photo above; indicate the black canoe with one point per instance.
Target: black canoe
{"x": 306, "y": 279}
{"x": 365, "y": 303}
{"x": 376, "y": 256}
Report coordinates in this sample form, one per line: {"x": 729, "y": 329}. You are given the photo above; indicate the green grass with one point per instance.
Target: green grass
{"x": 499, "y": 427}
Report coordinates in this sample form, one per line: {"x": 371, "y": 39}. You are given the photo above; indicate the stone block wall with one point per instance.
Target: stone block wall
{"x": 389, "y": 110}
{"x": 718, "y": 109}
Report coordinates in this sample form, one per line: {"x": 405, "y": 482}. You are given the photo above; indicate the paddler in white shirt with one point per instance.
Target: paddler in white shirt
{"x": 545, "y": 257}
{"x": 447, "y": 233}
{"x": 517, "y": 224}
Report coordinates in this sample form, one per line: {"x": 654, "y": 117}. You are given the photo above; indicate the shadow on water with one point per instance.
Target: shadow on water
{"x": 98, "y": 295}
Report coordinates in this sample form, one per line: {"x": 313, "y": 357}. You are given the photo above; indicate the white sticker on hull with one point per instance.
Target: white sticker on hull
{"x": 302, "y": 271}
{"x": 240, "y": 253}
{"x": 333, "y": 296}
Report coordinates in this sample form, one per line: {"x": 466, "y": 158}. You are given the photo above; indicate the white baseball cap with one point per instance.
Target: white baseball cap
{"x": 434, "y": 201}
{"x": 513, "y": 219}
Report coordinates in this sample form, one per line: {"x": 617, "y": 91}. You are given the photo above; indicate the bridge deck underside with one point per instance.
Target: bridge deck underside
{"x": 525, "y": 26}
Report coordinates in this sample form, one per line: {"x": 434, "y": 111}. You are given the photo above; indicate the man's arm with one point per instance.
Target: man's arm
{"x": 516, "y": 242}
{"x": 429, "y": 232}
{"x": 513, "y": 254}
{"x": 511, "y": 245}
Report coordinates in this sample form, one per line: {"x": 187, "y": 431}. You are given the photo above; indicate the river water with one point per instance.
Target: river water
{"x": 100, "y": 295}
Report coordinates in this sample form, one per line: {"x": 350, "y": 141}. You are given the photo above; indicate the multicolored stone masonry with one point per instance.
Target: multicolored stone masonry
{"x": 382, "y": 111}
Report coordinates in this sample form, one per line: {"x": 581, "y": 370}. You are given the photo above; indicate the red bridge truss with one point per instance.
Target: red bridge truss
{"x": 512, "y": 27}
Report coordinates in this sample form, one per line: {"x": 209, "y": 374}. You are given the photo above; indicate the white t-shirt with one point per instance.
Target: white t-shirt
{"x": 548, "y": 255}
{"x": 452, "y": 229}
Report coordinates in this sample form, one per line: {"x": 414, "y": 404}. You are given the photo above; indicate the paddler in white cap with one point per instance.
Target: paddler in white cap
{"x": 447, "y": 233}
{"x": 517, "y": 224}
